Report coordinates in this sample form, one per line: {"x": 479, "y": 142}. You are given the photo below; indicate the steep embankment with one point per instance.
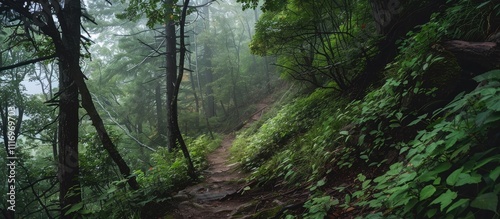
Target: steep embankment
{"x": 423, "y": 144}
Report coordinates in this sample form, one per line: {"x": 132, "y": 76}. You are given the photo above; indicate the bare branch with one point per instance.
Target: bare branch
{"x": 28, "y": 62}
{"x": 121, "y": 127}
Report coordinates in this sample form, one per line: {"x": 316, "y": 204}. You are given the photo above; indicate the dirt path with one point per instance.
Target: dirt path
{"x": 208, "y": 200}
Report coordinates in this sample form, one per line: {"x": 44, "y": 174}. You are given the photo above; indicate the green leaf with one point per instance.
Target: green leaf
{"x": 414, "y": 122}
{"x": 395, "y": 169}
{"x": 442, "y": 167}
{"x": 453, "y": 177}
{"x": 495, "y": 173}
{"x": 437, "y": 181}
{"x": 361, "y": 177}
{"x": 85, "y": 212}
{"x": 465, "y": 178}
{"x": 445, "y": 199}
{"x": 430, "y": 213}
{"x": 494, "y": 74}
{"x": 493, "y": 104}
{"x": 488, "y": 201}
{"x": 111, "y": 189}
{"x": 453, "y": 137}
{"x": 486, "y": 161}
{"x": 432, "y": 174}
{"x": 399, "y": 116}
{"x": 361, "y": 139}
{"x": 75, "y": 208}
{"x": 344, "y": 132}
{"x": 366, "y": 184}
{"x": 320, "y": 183}
{"x": 427, "y": 192}
{"x": 457, "y": 204}
{"x": 470, "y": 215}
{"x": 406, "y": 177}
{"x": 483, "y": 4}
{"x": 487, "y": 118}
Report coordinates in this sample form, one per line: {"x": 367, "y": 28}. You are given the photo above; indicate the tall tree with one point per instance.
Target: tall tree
{"x": 167, "y": 15}
{"x": 181, "y": 69}
{"x": 59, "y": 24}
{"x": 171, "y": 71}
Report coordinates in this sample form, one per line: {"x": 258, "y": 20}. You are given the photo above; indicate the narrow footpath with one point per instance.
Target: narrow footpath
{"x": 214, "y": 197}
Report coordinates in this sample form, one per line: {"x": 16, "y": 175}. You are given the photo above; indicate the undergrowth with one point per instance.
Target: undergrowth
{"x": 281, "y": 147}
{"x": 426, "y": 139}
{"x": 167, "y": 173}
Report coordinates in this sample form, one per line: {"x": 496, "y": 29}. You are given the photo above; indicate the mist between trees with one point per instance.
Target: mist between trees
{"x": 148, "y": 79}
{"x": 136, "y": 93}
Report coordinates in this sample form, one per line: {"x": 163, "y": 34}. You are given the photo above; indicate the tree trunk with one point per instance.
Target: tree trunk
{"x": 103, "y": 135}
{"x": 198, "y": 83}
{"x": 385, "y": 14}
{"x": 209, "y": 77}
{"x": 160, "y": 125}
{"x": 69, "y": 62}
{"x": 69, "y": 189}
{"x": 177, "y": 131}
{"x": 171, "y": 72}
{"x": 195, "y": 95}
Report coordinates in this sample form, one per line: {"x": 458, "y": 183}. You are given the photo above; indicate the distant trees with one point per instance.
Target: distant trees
{"x": 133, "y": 87}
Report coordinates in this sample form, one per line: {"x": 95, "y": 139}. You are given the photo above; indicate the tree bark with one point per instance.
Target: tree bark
{"x": 195, "y": 95}
{"x": 171, "y": 73}
{"x": 103, "y": 135}
{"x": 65, "y": 34}
{"x": 177, "y": 131}
{"x": 69, "y": 65}
{"x": 161, "y": 129}
{"x": 209, "y": 77}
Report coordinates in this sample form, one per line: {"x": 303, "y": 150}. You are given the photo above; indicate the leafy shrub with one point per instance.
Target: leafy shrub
{"x": 295, "y": 145}
{"x": 168, "y": 173}
{"x": 451, "y": 169}
{"x": 318, "y": 207}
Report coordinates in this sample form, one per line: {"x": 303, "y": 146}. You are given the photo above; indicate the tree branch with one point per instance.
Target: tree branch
{"x": 121, "y": 127}
{"x": 28, "y": 62}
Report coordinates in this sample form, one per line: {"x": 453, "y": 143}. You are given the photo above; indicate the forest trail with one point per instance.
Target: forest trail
{"x": 214, "y": 197}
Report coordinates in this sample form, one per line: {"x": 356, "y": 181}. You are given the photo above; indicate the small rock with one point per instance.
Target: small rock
{"x": 180, "y": 197}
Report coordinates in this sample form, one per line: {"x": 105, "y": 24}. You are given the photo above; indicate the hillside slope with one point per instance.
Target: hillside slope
{"x": 424, "y": 144}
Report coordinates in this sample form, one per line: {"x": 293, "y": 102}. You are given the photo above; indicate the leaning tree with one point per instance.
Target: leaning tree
{"x": 53, "y": 30}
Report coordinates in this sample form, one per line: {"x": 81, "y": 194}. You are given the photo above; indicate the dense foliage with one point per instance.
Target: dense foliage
{"x": 422, "y": 145}
{"x": 389, "y": 109}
